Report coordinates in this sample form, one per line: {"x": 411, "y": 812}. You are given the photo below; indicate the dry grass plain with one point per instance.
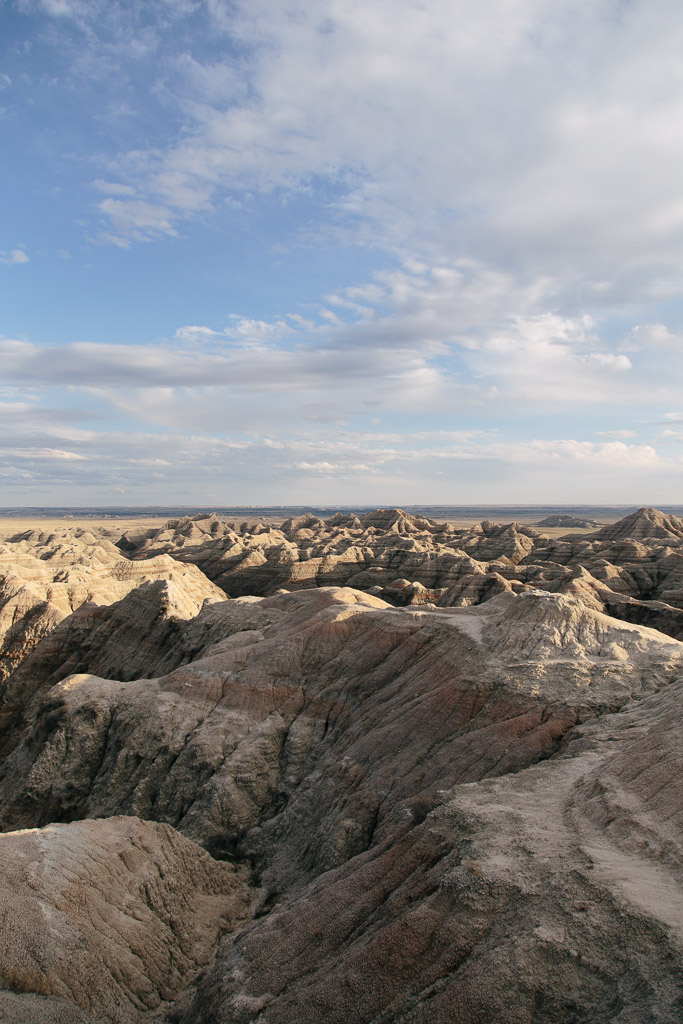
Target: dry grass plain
{"x": 10, "y": 526}
{"x": 114, "y": 527}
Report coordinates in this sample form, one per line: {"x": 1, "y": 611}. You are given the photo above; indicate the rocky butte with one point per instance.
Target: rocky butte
{"x": 361, "y": 770}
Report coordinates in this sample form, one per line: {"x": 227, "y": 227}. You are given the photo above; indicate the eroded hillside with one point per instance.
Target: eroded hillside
{"x": 632, "y": 569}
{"x": 403, "y": 773}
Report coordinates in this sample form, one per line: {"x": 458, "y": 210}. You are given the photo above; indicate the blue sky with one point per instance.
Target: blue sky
{"x": 354, "y": 251}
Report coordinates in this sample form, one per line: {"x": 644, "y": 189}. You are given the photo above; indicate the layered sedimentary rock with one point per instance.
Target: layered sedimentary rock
{"x": 567, "y": 522}
{"x": 517, "y": 899}
{"x": 405, "y": 559}
{"x": 47, "y": 575}
{"x": 451, "y": 794}
{"x": 413, "y": 560}
{"x": 115, "y": 916}
{"x": 298, "y": 738}
{"x": 362, "y": 552}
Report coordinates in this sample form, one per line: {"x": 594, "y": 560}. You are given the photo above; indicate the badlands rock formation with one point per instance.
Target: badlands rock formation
{"x": 568, "y": 522}
{"x": 46, "y": 575}
{"x": 633, "y": 569}
{"x": 115, "y": 916}
{"x": 527, "y": 897}
{"x": 448, "y": 791}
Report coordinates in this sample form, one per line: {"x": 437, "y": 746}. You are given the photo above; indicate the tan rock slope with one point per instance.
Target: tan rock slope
{"x": 336, "y": 683}
{"x": 115, "y": 916}
{"x": 126, "y": 639}
{"x": 46, "y": 575}
{"x": 451, "y": 794}
{"x": 510, "y": 903}
{"x": 25, "y": 1007}
{"x": 637, "y": 564}
{"x": 366, "y": 551}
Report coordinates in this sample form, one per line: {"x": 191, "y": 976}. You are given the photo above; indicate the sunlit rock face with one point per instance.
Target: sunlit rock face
{"x": 413, "y": 560}
{"x": 45, "y": 575}
{"x": 115, "y": 916}
{"x": 451, "y": 791}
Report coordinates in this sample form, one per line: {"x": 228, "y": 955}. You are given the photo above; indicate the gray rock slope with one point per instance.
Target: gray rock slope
{"x": 527, "y": 898}
{"x": 338, "y": 710}
{"x": 323, "y": 805}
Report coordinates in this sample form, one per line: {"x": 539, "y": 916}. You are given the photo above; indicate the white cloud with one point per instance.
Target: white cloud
{"x": 15, "y": 256}
{"x": 617, "y": 434}
{"x": 610, "y": 361}
{"x": 113, "y": 188}
{"x": 192, "y": 334}
{"x": 137, "y": 220}
{"x": 227, "y": 446}
{"x": 418, "y": 343}
{"x": 62, "y": 8}
{"x": 517, "y": 161}
{"x": 534, "y": 138}
{"x": 250, "y": 331}
{"x": 41, "y": 454}
{"x": 608, "y": 454}
{"x": 358, "y": 466}
{"x": 657, "y": 336}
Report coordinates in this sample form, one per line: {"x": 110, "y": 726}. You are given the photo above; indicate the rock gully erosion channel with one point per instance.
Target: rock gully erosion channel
{"x": 360, "y": 770}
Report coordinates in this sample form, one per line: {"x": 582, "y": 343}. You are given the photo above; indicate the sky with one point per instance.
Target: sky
{"x": 341, "y": 251}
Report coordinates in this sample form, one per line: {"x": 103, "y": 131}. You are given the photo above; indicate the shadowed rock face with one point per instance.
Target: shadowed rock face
{"x": 371, "y": 550}
{"x": 392, "y": 812}
{"x": 413, "y": 560}
{"x": 45, "y": 576}
{"x": 507, "y": 904}
{"x": 125, "y": 640}
{"x": 301, "y": 741}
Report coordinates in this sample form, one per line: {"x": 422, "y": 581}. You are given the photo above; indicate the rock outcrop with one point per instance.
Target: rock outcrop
{"x": 451, "y": 791}
{"x": 640, "y": 558}
{"x": 644, "y": 525}
{"x": 47, "y": 575}
{"x": 568, "y": 522}
{"x": 299, "y": 742}
{"x": 115, "y": 916}
{"x": 508, "y": 903}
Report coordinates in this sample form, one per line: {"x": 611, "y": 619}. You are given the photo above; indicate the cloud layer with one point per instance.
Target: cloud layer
{"x": 508, "y": 171}
{"x": 532, "y": 137}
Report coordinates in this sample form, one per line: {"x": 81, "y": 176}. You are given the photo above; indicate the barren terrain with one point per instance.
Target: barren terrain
{"x": 371, "y": 768}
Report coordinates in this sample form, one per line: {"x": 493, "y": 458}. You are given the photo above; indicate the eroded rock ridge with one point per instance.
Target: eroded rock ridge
{"x": 372, "y": 769}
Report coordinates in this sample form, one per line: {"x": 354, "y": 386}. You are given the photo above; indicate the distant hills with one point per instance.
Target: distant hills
{"x": 476, "y": 512}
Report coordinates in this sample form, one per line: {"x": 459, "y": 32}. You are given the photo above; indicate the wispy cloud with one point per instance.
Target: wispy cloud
{"x": 415, "y": 338}
{"x": 136, "y": 220}
{"x": 535, "y": 140}
{"x": 504, "y": 177}
{"x": 113, "y": 188}
{"x": 349, "y": 466}
{"x": 15, "y": 256}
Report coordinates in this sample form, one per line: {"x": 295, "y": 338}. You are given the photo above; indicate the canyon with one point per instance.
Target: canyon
{"x": 369, "y": 768}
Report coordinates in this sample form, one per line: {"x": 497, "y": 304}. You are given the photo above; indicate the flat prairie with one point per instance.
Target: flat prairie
{"x": 114, "y": 526}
